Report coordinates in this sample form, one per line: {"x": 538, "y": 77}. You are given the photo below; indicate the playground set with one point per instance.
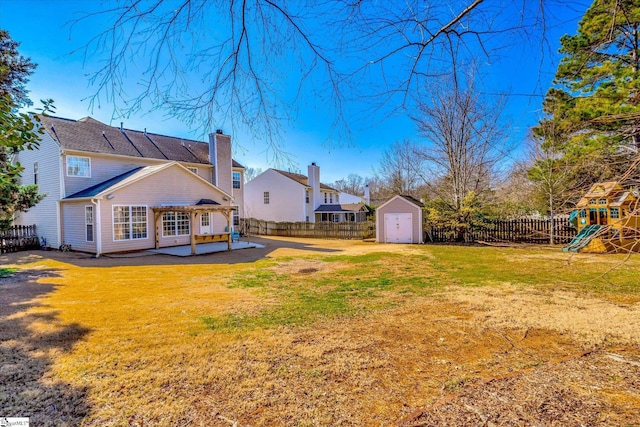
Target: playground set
{"x": 607, "y": 220}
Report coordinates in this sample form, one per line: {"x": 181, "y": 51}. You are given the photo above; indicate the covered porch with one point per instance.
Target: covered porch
{"x": 195, "y": 212}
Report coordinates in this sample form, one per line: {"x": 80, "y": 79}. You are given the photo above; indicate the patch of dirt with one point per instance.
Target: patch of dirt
{"x": 592, "y": 389}
{"x": 302, "y": 266}
{"x": 592, "y": 321}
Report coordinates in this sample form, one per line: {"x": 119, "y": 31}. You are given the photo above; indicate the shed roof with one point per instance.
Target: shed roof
{"x": 93, "y": 136}
{"x": 406, "y": 198}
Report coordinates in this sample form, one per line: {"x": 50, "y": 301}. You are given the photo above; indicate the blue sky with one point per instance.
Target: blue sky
{"x": 521, "y": 69}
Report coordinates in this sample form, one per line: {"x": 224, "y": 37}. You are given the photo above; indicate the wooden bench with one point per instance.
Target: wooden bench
{"x": 210, "y": 238}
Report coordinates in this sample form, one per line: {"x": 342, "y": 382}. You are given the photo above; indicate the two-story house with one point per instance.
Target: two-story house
{"x": 108, "y": 188}
{"x": 280, "y": 196}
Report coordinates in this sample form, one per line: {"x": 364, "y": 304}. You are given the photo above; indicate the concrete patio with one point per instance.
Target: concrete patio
{"x": 204, "y": 248}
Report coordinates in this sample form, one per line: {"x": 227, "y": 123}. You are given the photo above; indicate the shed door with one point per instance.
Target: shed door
{"x": 398, "y": 228}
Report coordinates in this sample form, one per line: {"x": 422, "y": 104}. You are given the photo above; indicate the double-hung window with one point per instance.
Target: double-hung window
{"x": 266, "y": 197}
{"x": 129, "y": 222}
{"x": 88, "y": 222}
{"x": 79, "y": 166}
{"x": 175, "y": 224}
{"x": 236, "y": 179}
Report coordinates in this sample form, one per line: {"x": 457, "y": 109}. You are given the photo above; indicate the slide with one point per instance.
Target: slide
{"x": 582, "y": 239}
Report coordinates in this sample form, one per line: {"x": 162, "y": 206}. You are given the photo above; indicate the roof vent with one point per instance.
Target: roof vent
{"x": 121, "y": 125}
{"x": 182, "y": 142}
{"x": 219, "y": 131}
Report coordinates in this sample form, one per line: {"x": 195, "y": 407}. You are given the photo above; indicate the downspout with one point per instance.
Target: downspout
{"x": 62, "y": 196}
{"x": 98, "y": 225}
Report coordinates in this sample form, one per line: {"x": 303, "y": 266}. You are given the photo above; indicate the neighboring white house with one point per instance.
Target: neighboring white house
{"x": 281, "y": 196}
{"x": 102, "y": 184}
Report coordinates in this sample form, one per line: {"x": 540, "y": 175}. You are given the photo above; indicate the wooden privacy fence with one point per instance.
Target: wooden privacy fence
{"x": 537, "y": 231}
{"x": 19, "y": 238}
{"x": 333, "y": 230}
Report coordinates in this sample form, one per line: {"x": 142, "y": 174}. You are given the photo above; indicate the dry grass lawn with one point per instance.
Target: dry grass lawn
{"x": 322, "y": 333}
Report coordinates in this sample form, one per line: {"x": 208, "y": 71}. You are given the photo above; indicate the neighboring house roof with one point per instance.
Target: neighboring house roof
{"x": 346, "y": 207}
{"x": 303, "y": 179}
{"x": 92, "y": 136}
{"x": 122, "y": 180}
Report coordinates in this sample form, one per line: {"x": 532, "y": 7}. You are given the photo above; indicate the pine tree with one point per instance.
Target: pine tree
{"x": 594, "y": 106}
{"x": 18, "y": 131}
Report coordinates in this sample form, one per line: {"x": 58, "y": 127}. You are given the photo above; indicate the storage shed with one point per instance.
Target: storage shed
{"x": 399, "y": 220}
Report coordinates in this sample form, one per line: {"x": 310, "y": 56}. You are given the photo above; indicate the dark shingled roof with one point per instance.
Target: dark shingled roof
{"x": 98, "y": 188}
{"x": 344, "y": 207}
{"x": 412, "y": 200}
{"x": 92, "y": 136}
{"x": 206, "y": 202}
{"x": 302, "y": 179}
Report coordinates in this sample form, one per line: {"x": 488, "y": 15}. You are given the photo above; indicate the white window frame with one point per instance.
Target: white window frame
{"x": 265, "y": 197}
{"x": 325, "y": 197}
{"x": 205, "y": 222}
{"x": 176, "y": 224}
{"x": 307, "y": 196}
{"x": 35, "y": 173}
{"x": 130, "y": 223}
{"x": 89, "y": 222}
{"x": 236, "y": 183}
{"x": 335, "y": 217}
{"x": 235, "y": 220}
{"x": 330, "y": 198}
{"x": 78, "y": 159}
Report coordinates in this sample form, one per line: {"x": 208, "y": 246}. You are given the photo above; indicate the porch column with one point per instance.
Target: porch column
{"x": 156, "y": 227}
{"x": 192, "y": 228}
{"x": 229, "y": 239}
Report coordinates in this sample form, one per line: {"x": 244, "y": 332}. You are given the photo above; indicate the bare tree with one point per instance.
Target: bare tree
{"x": 251, "y": 173}
{"x": 399, "y": 169}
{"x": 352, "y": 184}
{"x": 247, "y": 62}
{"x": 464, "y": 141}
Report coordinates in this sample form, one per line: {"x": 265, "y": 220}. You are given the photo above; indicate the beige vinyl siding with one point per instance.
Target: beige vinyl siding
{"x": 238, "y": 193}
{"x": 106, "y": 167}
{"x": 73, "y": 226}
{"x": 171, "y": 186}
{"x": 400, "y": 205}
{"x": 45, "y": 214}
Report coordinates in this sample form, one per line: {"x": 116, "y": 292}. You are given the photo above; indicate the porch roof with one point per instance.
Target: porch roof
{"x": 345, "y": 207}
